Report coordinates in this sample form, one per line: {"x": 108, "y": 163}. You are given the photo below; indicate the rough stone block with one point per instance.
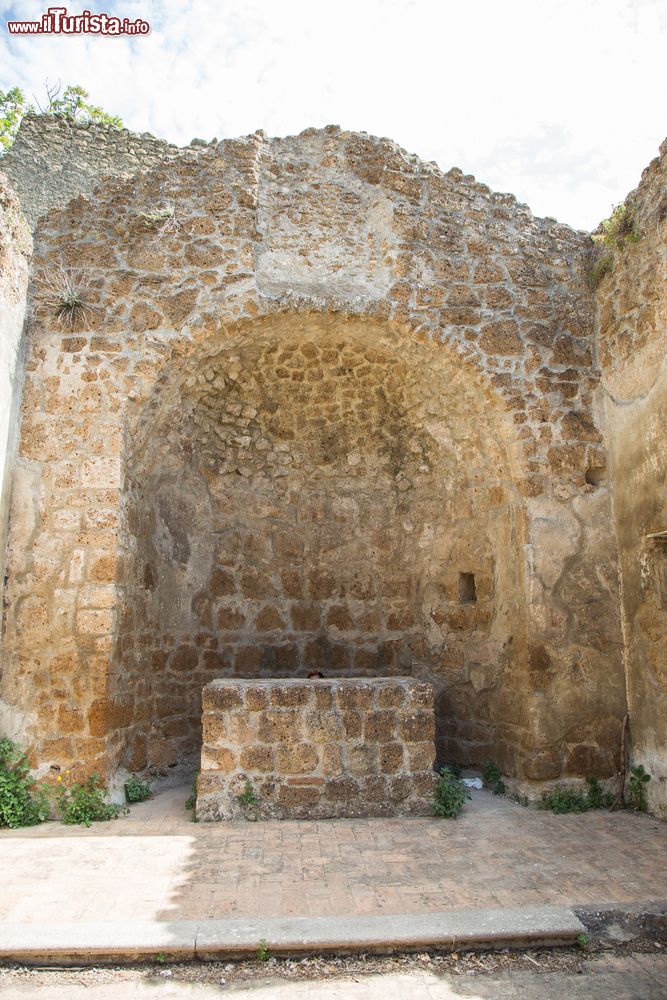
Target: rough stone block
{"x": 322, "y": 748}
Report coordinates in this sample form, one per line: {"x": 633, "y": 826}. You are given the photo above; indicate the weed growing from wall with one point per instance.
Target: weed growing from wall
{"x": 249, "y": 802}
{"x": 161, "y": 222}
{"x": 62, "y": 293}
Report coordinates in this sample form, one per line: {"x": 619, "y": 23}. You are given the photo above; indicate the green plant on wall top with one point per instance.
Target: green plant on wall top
{"x": 13, "y": 106}
{"x": 450, "y": 795}
{"x": 22, "y": 802}
{"x": 612, "y": 234}
{"x": 620, "y": 228}
{"x": 73, "y": 105}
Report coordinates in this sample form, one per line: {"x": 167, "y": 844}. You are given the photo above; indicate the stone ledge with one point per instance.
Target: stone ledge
{"x": 132, "y": 941}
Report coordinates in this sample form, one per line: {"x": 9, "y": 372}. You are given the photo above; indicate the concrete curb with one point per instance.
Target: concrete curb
{"x": 208, "y": 940}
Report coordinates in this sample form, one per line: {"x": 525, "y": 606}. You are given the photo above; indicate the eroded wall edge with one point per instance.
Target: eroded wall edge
{"x": 631, "y": 341}
{"x": 15, "y": 256}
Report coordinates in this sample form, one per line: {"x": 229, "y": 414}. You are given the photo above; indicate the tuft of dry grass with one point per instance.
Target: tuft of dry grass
{"x": 61, "y": 291}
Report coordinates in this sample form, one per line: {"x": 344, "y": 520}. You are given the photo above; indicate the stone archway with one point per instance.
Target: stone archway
{"x": 319, "y": 492}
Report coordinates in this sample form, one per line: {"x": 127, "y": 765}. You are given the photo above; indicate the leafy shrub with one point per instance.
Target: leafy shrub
{"x": 597, "y": 797}
{"x": 22, "y": 802}
{"x": 569, "y": 800}
{"x": 492, "y": 778}
{"x": 639, "y": 778}
{"x": 137, "y": 790}
{"x": 84, "y": 802}
{"x": 565, "y": 800}
{"x": 450, "y": 795}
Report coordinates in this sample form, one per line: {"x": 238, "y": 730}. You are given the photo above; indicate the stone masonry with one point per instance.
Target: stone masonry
{"x": 336, "y": 401}
{"x": 316, "y": 748}
{"x": 323, "y": 405}
{"x": 54, "y": 159}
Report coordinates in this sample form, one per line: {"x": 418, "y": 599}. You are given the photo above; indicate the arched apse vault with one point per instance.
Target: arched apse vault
{"x": 314, "y": 491}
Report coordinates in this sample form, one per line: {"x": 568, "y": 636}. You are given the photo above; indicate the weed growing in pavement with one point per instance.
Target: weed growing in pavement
{"x": 639, "y": 778}
{"x": 263, "y": 953}
{"x": 191, "y": 801}
{"x": 570, "y": 800}
{"x": 84, "y": 802}
{"x": 492, "y": 778}
{"x": 22, "y": 802}
{"x": 136, "y": 790}
{"x": 450, "y": 795}
{"x": 249, "y": 801}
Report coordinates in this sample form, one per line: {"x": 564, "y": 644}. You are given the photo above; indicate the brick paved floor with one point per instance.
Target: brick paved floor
{"x": 157, "y": 864}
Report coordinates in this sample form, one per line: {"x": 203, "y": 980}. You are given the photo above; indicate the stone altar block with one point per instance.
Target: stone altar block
{"x": 314, "y": 749}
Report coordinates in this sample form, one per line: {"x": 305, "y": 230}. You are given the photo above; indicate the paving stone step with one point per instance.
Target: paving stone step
{"x": 86, "y": 943}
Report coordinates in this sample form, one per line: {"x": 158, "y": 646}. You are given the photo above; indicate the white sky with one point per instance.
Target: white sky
{"x": 560, "y": 102}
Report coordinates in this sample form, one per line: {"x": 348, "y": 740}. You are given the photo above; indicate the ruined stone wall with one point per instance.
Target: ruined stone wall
{"x": 330, "y": 407}
{"x": 55, "y": 159}
{"x": 316, "y": 749}
{"x": 15, "y": 254}
{"x": 632, "y": 348}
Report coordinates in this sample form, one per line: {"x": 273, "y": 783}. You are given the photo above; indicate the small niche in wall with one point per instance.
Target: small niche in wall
{"x": 596, "y": 475}
{"x": 662, "y": 582}
{"x": 659, "y": 560}
{"x": 467, "y": 589}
